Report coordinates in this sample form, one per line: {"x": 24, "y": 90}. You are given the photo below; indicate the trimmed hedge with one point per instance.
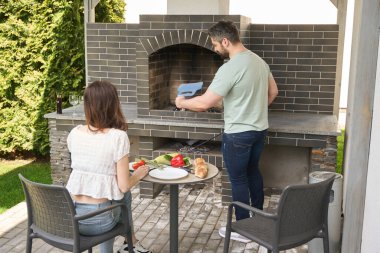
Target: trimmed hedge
{"x": 41, "y": 54}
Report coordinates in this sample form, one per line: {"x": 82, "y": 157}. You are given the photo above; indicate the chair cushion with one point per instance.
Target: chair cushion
{"x": 250, "y": 228}
{"x": 87, "y": 241}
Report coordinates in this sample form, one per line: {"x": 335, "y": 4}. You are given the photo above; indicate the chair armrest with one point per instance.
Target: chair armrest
{"x": 254, "y": 210}
{"x": 99, "y": 211}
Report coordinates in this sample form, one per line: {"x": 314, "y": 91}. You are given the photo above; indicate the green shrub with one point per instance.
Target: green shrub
{"x": 41, "y": 54}
{"x": 110, "y": 11}
{"x": 339, "y": 155}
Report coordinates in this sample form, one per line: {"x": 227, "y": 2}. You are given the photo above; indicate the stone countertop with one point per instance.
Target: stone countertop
{"x": 304, "y": 123}
{"x": 284, "y": 122}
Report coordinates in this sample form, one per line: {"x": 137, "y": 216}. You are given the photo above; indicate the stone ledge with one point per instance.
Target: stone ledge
{"x": 280, "y": 122}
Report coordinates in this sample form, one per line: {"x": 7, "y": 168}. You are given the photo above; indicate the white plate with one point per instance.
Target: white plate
{"x": 168, "y": 173}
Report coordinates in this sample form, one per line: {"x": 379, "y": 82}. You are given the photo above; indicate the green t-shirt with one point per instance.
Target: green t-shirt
{"x": 243, "y": 84}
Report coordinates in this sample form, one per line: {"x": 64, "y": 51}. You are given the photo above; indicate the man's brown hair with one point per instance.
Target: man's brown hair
{"x": 224, "y": 29}
{"x": 102, "y": 107}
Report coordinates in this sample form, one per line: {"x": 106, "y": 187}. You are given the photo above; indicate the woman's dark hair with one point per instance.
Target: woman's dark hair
{"x": 102, "y": 107}
{"x": 224, "y": 29}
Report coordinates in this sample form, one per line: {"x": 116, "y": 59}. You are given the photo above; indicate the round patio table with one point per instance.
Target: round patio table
{"x": 189, "y": 179}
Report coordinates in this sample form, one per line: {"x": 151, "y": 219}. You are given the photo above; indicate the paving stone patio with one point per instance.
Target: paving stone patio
{"x": 201, "y": 214}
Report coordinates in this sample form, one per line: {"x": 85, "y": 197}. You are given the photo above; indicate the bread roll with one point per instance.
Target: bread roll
{"x": 200, "y": 168}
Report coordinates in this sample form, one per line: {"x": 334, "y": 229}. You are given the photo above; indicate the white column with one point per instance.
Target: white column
{"x": 341, "y": 20}
{"x": 371, "y": 221}
{"x": 365, "y": 45}
{"x": 89, "y": 17}
{"x": 86, "y": 18}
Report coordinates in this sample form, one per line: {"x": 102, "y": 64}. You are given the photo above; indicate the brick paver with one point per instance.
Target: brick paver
{"x": 201, "y": 214}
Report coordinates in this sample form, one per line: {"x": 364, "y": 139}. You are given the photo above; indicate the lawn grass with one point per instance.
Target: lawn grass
{"x": 10, "y": 186}
{"x": 339, "y": 155}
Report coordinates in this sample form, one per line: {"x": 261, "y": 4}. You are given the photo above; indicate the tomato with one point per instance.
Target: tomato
{"x": 136, "y": 165}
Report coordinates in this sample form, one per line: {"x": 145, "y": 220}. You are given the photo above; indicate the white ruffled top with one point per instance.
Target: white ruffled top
{"x": 93, "y": 160}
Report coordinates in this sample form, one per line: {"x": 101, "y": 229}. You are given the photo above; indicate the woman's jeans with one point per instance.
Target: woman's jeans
{"x": 241, "y": 154}
{"x": 105, "y": 221}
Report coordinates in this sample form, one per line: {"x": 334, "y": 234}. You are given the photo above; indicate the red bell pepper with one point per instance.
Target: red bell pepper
{"x": 136, "y": 165}
{"x": 177, "y": 161}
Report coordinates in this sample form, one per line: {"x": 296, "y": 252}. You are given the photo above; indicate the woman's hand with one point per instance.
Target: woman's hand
{"x": 141, "y": 172}
{"x": 125, "y": 181}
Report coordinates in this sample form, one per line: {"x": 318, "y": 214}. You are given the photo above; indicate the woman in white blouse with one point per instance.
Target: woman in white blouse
{"x": 100, "y": 165}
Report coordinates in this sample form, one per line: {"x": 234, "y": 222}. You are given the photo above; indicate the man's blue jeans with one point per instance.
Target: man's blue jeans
{"x": 241, "y": 154}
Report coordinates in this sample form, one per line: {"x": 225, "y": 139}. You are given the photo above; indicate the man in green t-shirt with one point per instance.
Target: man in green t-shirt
{"x": 247, "y": 87}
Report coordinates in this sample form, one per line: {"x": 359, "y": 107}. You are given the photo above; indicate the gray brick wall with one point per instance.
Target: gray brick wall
{"x": 111, "y": 52}
{"x": 324, "y": 159}
{"x": 59, "y": 154}
{"x": 303, "y": 61}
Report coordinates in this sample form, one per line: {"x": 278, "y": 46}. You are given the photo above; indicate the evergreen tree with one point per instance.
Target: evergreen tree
{"x": 41, "y": 54}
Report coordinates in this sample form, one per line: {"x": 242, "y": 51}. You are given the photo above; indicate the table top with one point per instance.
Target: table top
{"x": 189, "y": 179}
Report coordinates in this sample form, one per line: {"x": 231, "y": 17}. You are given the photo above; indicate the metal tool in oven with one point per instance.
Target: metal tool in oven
{"x": 189, "y": 89}
{"x": 192, "y": 147}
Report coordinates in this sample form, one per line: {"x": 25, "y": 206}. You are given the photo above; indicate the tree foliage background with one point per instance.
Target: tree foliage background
{"x": 41, "y": 54}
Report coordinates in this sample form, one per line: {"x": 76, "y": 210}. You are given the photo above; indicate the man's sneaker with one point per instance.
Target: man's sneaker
{"x": 234, "y": 236}
{"x": 137, "y": 248}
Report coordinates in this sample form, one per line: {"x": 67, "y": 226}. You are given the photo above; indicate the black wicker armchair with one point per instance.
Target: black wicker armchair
{"x": 301, "y": 216}
{"x": 52, "y": 217}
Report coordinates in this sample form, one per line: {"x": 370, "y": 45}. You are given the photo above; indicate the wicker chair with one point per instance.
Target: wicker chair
{"x": 52, "y": 217}
{"x": 301, "y": 216}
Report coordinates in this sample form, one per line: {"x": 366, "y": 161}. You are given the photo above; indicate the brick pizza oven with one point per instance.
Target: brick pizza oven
{"x": 149, "y": 60}
{"x": 174, "y": 64}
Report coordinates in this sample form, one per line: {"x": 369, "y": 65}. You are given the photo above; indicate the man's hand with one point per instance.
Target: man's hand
{"x": 198, "y": 103}
{"x": 178, "y": 101}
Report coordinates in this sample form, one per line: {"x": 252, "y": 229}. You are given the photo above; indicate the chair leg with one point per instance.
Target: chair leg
{"x": 89, "y": 250}
{"x": 129, "y": 241}
{"x": 28, "y": 244}
{"x": 227, "y": 240}
{"x": 274, "y": 250}
{"x": 326, "y": 248}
